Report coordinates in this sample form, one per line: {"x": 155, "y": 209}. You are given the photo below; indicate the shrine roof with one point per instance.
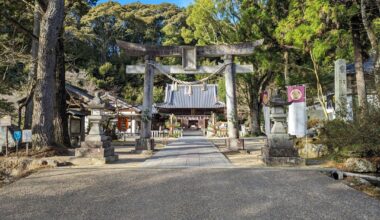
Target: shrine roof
{"x": 367, "y": 67}
{"x": 76, "y": 91}
{"x": 198, "y": 98}
{"x": 118, "y": 102}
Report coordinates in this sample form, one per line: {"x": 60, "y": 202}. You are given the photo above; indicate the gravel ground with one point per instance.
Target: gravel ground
{"x": 110, "y": 192}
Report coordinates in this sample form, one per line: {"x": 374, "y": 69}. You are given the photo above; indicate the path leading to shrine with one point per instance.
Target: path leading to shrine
{"x": 115, "y": 191}
{"x": 193, "y": 151}
{"x": 197, "y": 193}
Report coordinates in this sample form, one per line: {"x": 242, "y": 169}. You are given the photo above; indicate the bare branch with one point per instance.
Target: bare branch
{"x": 20, "y": 26}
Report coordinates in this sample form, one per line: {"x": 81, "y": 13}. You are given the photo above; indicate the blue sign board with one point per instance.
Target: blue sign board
{"x": 17, "y": 135}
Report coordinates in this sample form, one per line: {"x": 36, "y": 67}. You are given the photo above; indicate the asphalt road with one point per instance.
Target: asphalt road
{"x": 196, "y": 193}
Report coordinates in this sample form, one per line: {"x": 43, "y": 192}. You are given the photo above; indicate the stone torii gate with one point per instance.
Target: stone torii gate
{"x": 189, "y": 56}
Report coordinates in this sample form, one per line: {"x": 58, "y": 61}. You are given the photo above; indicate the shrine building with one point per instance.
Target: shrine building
{"x": 192, "y": 105}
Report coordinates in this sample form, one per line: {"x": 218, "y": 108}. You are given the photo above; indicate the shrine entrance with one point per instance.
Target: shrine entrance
{"x": 189, "y": 55}
{"x": 193, "y": 124}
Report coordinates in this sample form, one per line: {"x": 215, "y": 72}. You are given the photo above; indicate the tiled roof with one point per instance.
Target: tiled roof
{"x": 199, "y": 98}
{"x": 367, "y": 66}
{"x": 120, "y": 102}
{"x": 74, "y": 90}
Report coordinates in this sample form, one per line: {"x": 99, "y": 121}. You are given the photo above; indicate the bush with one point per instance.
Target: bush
{"x": 354, "y": 138}
{"x": 313, "y": 123}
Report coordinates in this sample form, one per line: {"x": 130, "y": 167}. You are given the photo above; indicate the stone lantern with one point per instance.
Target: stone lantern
{"x": 97, "y": 144}
{"x": 280, "y": 150}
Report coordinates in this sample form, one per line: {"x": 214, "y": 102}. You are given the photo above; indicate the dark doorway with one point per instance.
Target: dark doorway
{"x": 193, "y": 124}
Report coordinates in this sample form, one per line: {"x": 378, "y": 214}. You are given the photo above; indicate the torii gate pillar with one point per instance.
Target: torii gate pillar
{"x": 229, "y": 76}
{"x": 146, "y": 142}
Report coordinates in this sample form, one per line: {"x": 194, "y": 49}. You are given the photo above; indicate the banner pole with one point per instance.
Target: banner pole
{"x": 6, "y": 138}
{"x": 307, "y": 152}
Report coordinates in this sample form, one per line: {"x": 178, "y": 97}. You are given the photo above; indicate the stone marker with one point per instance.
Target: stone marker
{"x": 340, "y": 84}
{"x": 279, "y": 150}
{"x": 343, "y": 103}
{"x": 96, "y": 144}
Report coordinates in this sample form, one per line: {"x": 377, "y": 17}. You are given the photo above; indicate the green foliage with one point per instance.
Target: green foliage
{"x": 6, "y": 107}
{"x": 91, "y": 41}
{"x": 301, "y": 27}
{"x": 210, "y": 22}
{"x": 105, "y": 69}
{"x": 158, "y": 94}
{"x": 14, "y": 50}
{"x": 221, "y": 89}
{"x": 319, "y": 33}
{"x": 358, "y": 138}
{"x": 226, "y": 22}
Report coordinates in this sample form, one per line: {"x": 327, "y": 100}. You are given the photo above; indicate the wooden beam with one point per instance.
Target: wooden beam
{"x": 240, "y": 49}
{"x": 140, "y": 69}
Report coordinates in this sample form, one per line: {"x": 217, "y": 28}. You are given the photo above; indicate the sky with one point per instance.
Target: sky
{"x": 181, "y": 3}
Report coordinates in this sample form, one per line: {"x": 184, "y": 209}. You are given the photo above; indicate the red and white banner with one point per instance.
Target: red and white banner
{"x": 296, "y": 93}
{"x": 297, "y": 115}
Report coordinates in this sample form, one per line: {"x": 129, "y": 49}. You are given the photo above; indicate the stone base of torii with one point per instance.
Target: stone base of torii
{"x": 189, "y": 56}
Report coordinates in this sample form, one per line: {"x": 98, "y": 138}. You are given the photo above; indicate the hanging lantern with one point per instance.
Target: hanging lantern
{"x": 122, "y": 123}
{"x": 119, "y": 123}
{"x": 126, "y": 123}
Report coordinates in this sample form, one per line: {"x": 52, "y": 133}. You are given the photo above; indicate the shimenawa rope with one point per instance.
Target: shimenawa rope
{"x": 186, "y": 82}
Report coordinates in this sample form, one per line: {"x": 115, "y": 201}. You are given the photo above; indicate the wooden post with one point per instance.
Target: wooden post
{"x": 146, "y": 123}
{"x": 6, "y": 139}
{"x": 133, "y": 127}
{"x": 27, "y": 149}
{"x": 231, "y": 103}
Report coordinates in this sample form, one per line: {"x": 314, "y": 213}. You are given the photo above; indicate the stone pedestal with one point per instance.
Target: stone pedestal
{"x": 103, "y": 154}
{"x": 280, "y": 149}
{"x": 279, "y": 153}
{"x": 96, "y": 144}
{"x": 144, "y": 144}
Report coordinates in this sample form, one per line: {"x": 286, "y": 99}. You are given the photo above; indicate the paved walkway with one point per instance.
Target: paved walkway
{"x": 189, "y": 152}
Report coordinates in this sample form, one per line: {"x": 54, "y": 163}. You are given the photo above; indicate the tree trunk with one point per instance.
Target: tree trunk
{"x": 61, "y": 130}
{"x": 360, "y": 82}
{"x": 286, "y": 67}
{"x": 33, "y": 68}
{"x": 320, "y": 95}
{"x": 254, "y": 116}
{"x": 253, "y": 104}
{"x": 44, "y": 95}
{"x": 373, "y": 40}
{"x": 367, "y": 26}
